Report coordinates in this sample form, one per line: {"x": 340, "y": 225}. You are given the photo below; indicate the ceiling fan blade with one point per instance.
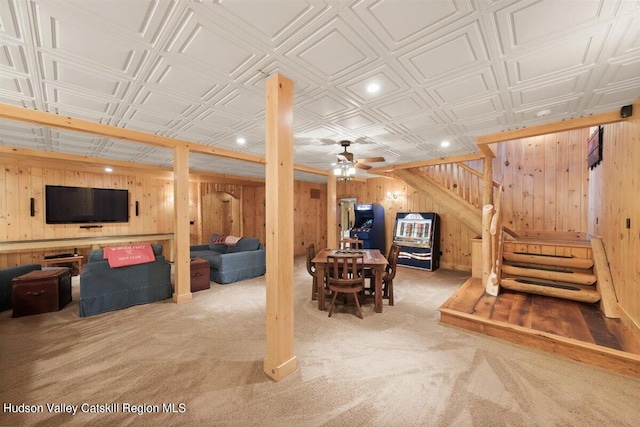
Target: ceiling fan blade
{"x": 372, "y": 160}
{"x": 362, "y": 166}
{"x": 326, "y": 141}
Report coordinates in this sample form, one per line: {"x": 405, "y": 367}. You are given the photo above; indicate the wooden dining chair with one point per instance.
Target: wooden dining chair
{"x": 348, "y": 243}
{"x": 387, "y": 276}
{"x": 311, "y": 269}
{"x": 345, "y": 276}
{"x": 390, "y": 273}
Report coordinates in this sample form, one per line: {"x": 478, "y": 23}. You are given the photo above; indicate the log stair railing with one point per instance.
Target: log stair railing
{"x": 466, "y": 183}
{"x": 551, "y": 269}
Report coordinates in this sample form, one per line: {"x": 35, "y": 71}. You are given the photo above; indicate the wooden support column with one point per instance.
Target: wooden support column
{"x": 332, "y": 209}
{"x": 487, "y": 213}
{"x": 280, "y": 360}
{"x": 487, "y": 181}
{"x": 182, "y": 276}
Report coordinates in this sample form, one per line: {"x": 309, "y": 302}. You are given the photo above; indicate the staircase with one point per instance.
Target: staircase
{"x": 551, "y": 266}
{"x": 561, "y": 270}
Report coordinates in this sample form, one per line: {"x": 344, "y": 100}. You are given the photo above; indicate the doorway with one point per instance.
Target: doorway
{"x": 347, "y": 215}
{"x": 220, "y": 214}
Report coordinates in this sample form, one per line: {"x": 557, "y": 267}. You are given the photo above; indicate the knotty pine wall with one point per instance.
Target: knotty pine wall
{"x": 546, "y": 189}
{"x": 310, "y": 214}
{"x": 614, "y": 197}
{"x": 546, "y": 181}
{"x": 455, "y": 237}
{"x": 19, "y": 182}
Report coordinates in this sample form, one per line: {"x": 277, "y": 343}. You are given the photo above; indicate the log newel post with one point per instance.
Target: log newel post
{"x": 487, "y": 213}
{"x": 487, "y": 181}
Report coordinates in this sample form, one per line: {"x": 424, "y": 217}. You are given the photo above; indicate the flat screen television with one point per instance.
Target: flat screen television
{"x": 70, "y": 205}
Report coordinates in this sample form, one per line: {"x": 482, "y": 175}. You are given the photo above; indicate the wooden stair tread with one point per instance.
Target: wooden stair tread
{"x": 551, "y": 260}
{"x": 557, "y": 290}
{"x": 577, "y": 278}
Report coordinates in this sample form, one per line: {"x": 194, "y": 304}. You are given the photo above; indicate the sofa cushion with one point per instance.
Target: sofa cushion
{"x": 220, "y": 248}
{"x": 245, "y": 244}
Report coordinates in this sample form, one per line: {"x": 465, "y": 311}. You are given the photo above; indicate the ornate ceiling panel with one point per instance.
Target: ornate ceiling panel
{"x": 196, "y": 70}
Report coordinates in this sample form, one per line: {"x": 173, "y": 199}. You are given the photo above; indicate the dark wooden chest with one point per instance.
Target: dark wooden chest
{"x": 41, "y": 291}
{"x": 199, "y": 274}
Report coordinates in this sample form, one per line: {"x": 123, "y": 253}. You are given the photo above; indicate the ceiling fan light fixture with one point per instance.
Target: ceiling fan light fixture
{"x": 344, "y": 171}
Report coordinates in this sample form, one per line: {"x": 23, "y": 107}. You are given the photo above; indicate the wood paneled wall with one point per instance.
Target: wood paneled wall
{"x": 310, "y": 214}
{"x": 455, "y": 237}
{"x": 19, "y": 182}
{"x": 546, "y": 182}
{"x": 614, "y": 198}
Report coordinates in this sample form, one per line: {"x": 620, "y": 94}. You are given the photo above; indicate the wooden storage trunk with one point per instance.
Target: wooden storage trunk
{"x": 41, "y": 291}
{"x": 199, "y": 274}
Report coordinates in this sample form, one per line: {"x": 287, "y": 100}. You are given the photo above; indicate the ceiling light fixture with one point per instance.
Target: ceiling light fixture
{"x": 108, "y": 169}
{"x": 344, "y": 170}
{"x": 373, "y": 88}
{"x": 240, "y": 140}
{"x": 445, "y": 144}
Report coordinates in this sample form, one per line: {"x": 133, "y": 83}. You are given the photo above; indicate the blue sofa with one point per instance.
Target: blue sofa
{"x": 6, "y": 276}
{"x": 103, "y": 288}
{"x": 232, "y": 263}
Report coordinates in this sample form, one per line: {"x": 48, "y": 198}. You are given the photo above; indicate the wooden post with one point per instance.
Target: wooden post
{"x": 487, "y": 211}
{"x": 182, "y": 276}
{"x": 487, "y": 181}
{"x": 280, "y": 360}
{"x": 332, "y": 209}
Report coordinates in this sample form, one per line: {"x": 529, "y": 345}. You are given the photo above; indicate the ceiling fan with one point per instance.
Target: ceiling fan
{"x": 347, "y": 157}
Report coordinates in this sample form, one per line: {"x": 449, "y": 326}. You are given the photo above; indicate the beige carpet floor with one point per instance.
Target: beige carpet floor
{"x": 398, "y": 368}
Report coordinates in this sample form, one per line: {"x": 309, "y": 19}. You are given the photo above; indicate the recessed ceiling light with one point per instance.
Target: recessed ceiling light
{"x": 108, "y": 169}
{"x": 543, "y": 113}
{"x": 373, "y": 88}
{"x": 445, "y": 144}
{"x": 241, "y": 140}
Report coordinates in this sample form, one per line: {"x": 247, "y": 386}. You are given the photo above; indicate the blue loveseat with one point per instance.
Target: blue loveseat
{"x": 103, "y": 288}
{"x": 232, "y": 263}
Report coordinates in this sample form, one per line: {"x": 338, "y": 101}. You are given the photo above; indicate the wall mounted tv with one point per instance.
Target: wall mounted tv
{"x": 71, "y": 205}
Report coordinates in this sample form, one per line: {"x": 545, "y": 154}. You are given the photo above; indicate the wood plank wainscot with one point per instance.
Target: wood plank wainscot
{"x": 93, "y": 242}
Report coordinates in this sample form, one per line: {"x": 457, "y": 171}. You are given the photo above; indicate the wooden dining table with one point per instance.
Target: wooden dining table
{"x": 372, "y": 258}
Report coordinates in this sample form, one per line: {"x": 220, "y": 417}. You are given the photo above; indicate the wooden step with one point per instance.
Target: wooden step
{"x": 577, "y": 278}
{"x": 554, "y": 260}
{"x": 551, "y": 289}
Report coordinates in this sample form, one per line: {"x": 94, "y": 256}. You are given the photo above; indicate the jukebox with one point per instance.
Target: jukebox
{"x": 418, "y": 235}
{"x": 368, "y": 226}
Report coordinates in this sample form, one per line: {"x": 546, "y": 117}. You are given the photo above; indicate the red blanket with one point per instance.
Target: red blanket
{"x": 227, "y": 240}
{"x": 120, "y": 256}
